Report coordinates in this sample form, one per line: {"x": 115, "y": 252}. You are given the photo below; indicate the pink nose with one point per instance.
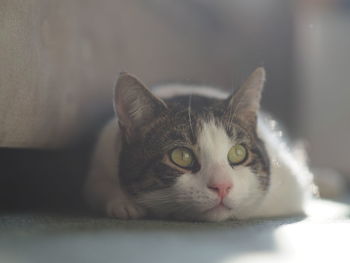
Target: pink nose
{"x": 222, "y": 189}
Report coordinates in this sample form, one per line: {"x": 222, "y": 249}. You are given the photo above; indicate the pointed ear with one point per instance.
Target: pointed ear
{"x": 244, "y": 104}
{"x": 134, "y": 104}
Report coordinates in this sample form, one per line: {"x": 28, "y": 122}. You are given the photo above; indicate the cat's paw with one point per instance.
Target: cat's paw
{"x": 123, "y": 208}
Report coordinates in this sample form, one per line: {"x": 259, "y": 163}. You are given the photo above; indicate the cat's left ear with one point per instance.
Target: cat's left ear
{"x": 244, "y": 104}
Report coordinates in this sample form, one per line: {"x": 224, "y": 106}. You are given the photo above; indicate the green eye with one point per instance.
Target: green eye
{"x": 182, "y": 157}
{"x": 237, "y": 154}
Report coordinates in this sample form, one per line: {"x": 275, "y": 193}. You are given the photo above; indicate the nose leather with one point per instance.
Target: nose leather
{"x": 222, "y": 189}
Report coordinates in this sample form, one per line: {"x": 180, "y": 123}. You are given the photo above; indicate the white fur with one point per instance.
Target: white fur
{"x": 102, "y": 189}
{"x": 171, "y": 90}
{"x": 214, "y": 144}
{"x": 287, "y": 193}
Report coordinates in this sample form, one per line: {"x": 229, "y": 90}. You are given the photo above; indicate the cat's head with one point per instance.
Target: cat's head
{"x": 192, "y": 157}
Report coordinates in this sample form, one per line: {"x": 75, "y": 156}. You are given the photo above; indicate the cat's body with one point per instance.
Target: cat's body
{"x": 133, "y": 175}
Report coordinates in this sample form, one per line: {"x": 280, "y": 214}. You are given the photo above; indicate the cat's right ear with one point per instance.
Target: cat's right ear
{"x": 134, "y": 104}
{"x": 244, "y": 104}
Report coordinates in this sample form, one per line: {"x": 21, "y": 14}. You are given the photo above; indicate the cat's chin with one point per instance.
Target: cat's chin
{"x": 218, "y": 213}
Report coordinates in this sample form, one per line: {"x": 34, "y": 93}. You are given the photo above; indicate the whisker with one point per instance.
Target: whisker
{"x": 189, "y": 113}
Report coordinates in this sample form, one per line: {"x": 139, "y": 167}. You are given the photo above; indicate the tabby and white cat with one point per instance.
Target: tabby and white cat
{"x": 193, "y": 153}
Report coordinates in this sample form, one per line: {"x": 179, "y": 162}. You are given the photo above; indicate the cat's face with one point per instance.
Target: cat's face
{"x": 192, "y": 157}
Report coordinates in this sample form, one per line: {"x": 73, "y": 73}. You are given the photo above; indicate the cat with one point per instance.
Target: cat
{"x": 193, "y": 153}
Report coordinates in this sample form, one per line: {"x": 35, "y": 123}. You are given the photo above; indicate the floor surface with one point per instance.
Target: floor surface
{"x": 324, "y": 235}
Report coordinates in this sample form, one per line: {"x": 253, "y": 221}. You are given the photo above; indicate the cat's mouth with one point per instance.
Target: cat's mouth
{"x": 218, "y": 207}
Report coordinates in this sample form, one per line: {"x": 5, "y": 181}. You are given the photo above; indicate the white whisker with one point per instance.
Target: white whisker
{"x": 189, "y": 113}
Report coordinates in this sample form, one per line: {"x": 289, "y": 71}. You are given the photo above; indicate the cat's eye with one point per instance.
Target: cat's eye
{"x": 182, "y": 157}
{"x": 237, "y": 154}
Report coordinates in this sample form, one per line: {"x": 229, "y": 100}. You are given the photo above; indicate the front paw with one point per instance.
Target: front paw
{"x": 124, "y": 209}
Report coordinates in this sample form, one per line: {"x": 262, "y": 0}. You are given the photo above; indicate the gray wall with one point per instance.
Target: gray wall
{"x": 59, "y": 59}
{"x": 324, "y": 77}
